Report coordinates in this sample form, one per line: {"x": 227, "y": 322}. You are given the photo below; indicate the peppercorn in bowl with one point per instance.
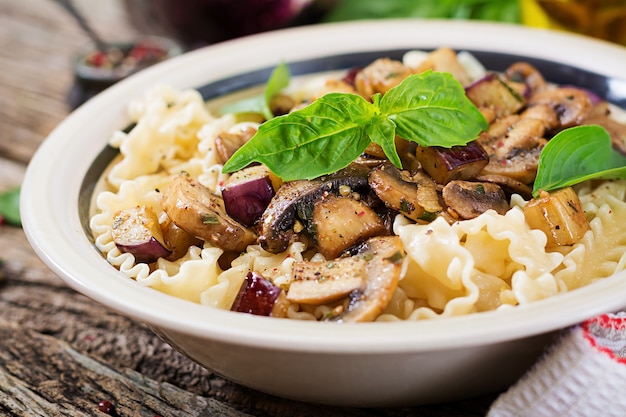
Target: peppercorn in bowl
{"x": 347, "y": 218}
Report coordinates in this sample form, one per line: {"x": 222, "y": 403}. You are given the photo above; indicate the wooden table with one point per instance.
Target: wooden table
{"x": 61, "y": 353}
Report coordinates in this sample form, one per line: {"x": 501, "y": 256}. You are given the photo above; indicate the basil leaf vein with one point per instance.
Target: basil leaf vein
{"x": 575, "y": 155}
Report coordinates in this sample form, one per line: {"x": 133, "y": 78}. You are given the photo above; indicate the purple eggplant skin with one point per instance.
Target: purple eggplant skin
{"x": 146, "y": 251}
{"x": 257, "y": 296}
{"x": 137, "y": 231}
{"x": 246, "y": 201}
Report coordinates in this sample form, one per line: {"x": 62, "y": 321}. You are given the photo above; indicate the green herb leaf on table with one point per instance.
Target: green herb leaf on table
{"x": 430, "y": 108}
{"x": 575, "y": 155}
{"x": 10, "y": 206}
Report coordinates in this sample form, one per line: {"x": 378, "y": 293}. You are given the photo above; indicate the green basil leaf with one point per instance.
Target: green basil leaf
{"x": 279, "y": 79}
{"x": 431, "y": 108}
{"x": 382, "y": 130}
{"x": 319, "y": 139}
{"x": 10, "y": 206}
{"x": 575, "y": 155}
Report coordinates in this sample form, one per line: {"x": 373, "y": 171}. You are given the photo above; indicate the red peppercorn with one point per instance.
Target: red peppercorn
{"x": 105, "y": 406}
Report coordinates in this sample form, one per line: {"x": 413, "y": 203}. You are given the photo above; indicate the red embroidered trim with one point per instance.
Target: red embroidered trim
{"x": 608, "y": 322}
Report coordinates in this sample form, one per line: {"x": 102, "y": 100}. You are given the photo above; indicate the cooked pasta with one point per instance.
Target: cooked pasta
{"x": 489, "y": 262}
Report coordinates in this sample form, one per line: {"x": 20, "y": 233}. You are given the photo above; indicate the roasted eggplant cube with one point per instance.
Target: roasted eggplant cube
{"x": 248, "y": 193}
{"x": 137, "y": 231}
{"x": 493, "y": 93}
{"x": 455, "y": 163}
{"x": 258, "y": 296}
{"x": 559, "y": 215}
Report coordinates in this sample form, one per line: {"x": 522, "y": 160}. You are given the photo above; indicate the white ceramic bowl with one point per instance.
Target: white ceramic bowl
{"x": 369, "y": 364}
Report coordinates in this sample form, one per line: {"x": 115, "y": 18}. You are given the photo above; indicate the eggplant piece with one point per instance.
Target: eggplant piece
{"x": 469, "y": 199}
{"x": 559, "y": 215}
{"x": 276, "y": 226}
{"x": 494, "y": 93}
{"x": 455, "y": 163}
{"x": 572, "y": 105}
{"x": 413, "y": 196}
{"x": 178, "y": 240}
{"x": 227, "y": 143}
{"x": 260, "y": 297}
{"x": 325, "y": 281}
{"x": 137, "y": 231}
{"x": 384, "y": 257}
{"x": 337, "y": 223}
{"x": 193, "y": 208}
{"x": 247, "y": 193}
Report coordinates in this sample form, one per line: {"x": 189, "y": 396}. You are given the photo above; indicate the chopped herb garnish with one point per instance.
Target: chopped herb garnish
{"x": 210, "y": 219}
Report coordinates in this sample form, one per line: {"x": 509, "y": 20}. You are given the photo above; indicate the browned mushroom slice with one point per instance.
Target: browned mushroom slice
{"x": 572, "y": 105}
{"x": 276, "y": 226}
{"x": 455, "y": 163}
{"x": 508, "y": 185}
{"x": 227, "y": 143}
{"x": 337, "y": 223}
{"x": 601, "y": 115}
{"x": 494, "y": 93}
{"x": 384, "y": 256}
{"x": 514, "y": 145}
{"x": 193, "y": 208}
{"x": 559, "y": 215}
{"x": 380, "y": 76}
{"x": 523, "y": 72}
{"x": 470, "y": 199}
{"x": 326, "y": 281}
{"x": 445, "y": 60}
{"x": 414, "y": 197}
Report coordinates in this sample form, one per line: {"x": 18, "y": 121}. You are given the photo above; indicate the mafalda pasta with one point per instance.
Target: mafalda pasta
{"x": 444, "y": 230}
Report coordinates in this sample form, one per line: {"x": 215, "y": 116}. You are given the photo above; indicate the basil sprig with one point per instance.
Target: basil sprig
{"x": 429, "y": 108}
{"x": 575, "y": 155}
{"x": 279, "y": 79}
{"x": 10, "y": 206}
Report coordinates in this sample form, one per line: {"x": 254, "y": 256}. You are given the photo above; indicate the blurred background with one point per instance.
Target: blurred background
{"x": 198, "y": 22}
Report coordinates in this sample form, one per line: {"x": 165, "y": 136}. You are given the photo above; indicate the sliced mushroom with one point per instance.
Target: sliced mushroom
{"x": 514, "y": 145}
{"x": 445, "y": 60}
{"x": 469, "y": 199}
{"x": 601, "y": 115}
{"x": 380, "y": 76}
{"x": 572, "y": 105}
{"x": 524, "y": 72}
{"x": 326, "y": 281}
{"x": 193, "y": 208}
{"x": 338, "y": 223}
{"x": 508, "y": 185}
{"x": 276, "y": 226}
{"x": 457, "y": 162}
{"x": 383, "y": 256}
{"x": 413, "y": 196}
{"x": 227, "y": 143}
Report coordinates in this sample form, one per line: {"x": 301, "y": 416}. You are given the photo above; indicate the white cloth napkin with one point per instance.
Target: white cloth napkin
{"x": 582, "y": 375}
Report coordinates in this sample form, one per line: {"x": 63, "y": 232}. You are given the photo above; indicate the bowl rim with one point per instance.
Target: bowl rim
{"x": 53, "y": 181}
